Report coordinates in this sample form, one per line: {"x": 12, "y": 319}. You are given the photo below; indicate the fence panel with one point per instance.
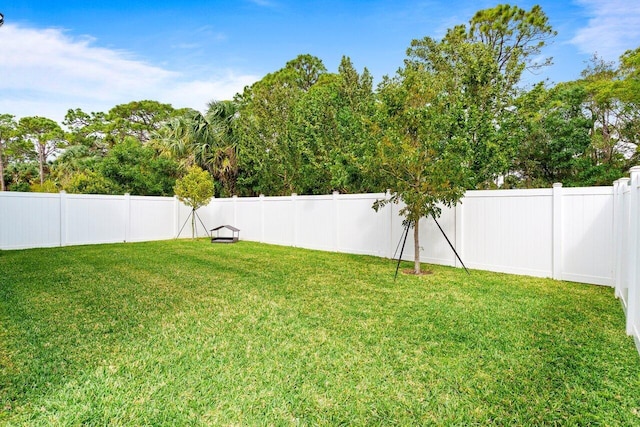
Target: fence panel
{"x": 29, "y": 220}
{"x": 277, "y": 220}
{"x": 151, "y": 218}
{"x": 635, "y": 304}
{"x": 359, "y": 229}
{"x": 433, "y": 241}
{"x": 587, "y": 235}
{"x": 217, "y": 212}
{"x": 509, "y": 231}
{"x": 314, "y": 222}
{"x": 94, "y": 219}
{"x": 248, "y": 218}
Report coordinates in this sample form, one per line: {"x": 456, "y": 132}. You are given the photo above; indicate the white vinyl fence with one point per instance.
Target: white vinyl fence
{"x": 626, "y": 249}
{"x": 588, "y": 235}
{"x": 29, "y": 220}
{"x": 564, "y": 233}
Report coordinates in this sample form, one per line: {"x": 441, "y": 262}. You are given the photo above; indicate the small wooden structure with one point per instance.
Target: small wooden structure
{"x": 235, "y": 234}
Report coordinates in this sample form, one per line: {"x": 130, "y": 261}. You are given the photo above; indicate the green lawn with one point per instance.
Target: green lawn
{"x": 190, "y": 333}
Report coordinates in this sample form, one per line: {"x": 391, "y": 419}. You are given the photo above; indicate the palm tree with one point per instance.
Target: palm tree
{"x": 224, "y": 160}
{"x": 206, "y": 140}
{"x": 174, "y": 139}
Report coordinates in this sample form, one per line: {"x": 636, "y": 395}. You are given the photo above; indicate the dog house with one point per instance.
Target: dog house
{"x": 225, "y": 238}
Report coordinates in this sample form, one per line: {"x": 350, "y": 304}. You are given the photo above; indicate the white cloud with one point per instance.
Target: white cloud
{"x": 613, "y": 28}
{"x": 203, "y": 91}
{"x": 46, "y": 72}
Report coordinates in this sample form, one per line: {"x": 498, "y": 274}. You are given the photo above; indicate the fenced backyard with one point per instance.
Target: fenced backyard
{"x": 563, "y": 233}
{"x": 183, "y": 332}
{"x": 587, "y": 235}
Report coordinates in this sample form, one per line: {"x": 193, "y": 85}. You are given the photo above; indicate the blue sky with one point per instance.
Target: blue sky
{"x": 94, "y": 55}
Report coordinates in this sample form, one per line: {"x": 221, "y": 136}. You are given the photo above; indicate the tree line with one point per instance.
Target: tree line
{"x": 455, "y": 116}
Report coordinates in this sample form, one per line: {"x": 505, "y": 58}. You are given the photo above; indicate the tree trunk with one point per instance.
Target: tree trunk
{"x": 416, "y": 248}
{"x": 41, "y": 160}
{"x": 193, "y": 223}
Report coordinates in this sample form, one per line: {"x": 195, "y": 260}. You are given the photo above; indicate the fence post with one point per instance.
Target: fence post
{"x": 294, "y": 223}
{"x": 616, "y": 237}
{"x": 176, "y": 216}
{"x": 209, "y": 212}
{"x": 390, "y": 234}
{"x": 623, "y": 184}
{"x": 261, "y": 198}
{"x": 127, "y": 223}
{"x": 459, "y": 230}
{"x": 63, "y": 218}
{"x": 336, "y": 228}
{"x": 634, "y": 293}
{"x": 557, "y": 231}
{"x": 235, "y": 211}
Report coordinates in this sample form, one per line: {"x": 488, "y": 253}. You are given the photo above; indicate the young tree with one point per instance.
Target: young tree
{"x": 422, "y": 152}
{"x": 195, "y": 189}
{"x": 442, "y": 116}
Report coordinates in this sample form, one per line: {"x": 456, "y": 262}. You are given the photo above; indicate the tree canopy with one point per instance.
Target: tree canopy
{"x": 456, "y": 103}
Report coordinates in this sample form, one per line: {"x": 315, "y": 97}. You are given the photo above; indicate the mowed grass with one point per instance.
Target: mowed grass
{"x": 190, "y": 333}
